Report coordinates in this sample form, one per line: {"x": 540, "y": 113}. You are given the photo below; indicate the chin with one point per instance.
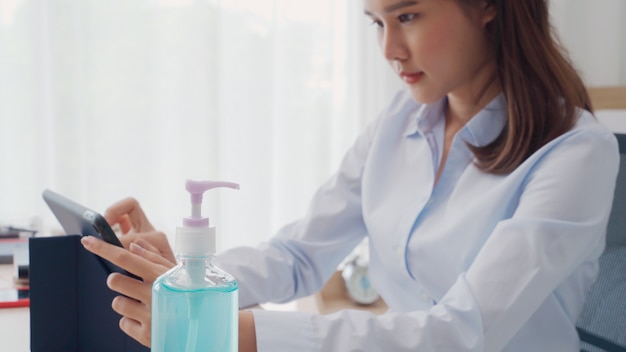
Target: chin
{"x": 425, "y": 96}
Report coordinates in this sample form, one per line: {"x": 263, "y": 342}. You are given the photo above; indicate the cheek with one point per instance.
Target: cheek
{"x": 446, "y": 50}
{"x": 433, "y": 47}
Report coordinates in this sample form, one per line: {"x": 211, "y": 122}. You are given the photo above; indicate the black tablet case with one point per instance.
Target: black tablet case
{"x": 70, "y": 304}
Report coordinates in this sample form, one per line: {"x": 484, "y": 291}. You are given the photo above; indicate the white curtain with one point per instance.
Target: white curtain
{"x": 105, "y": 99}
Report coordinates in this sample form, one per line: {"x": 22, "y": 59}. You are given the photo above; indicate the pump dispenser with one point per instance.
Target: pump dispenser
{"x": 195, "y": 304}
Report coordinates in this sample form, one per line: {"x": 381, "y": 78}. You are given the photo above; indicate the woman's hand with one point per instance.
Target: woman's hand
{"x": 129, "y": 215}
{"x": 136, "y": 228}
{"x": 135, "y": 305}
{"x": 149, "y": 255}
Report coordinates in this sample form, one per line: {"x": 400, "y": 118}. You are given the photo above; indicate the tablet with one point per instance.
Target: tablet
{"x": 80, "y": 220}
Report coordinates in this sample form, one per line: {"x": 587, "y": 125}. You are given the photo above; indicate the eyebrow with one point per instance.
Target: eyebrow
{"x": 396, "y": 6}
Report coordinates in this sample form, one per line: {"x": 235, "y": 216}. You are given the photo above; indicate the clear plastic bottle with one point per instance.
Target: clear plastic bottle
{"x": 195, "y": 304}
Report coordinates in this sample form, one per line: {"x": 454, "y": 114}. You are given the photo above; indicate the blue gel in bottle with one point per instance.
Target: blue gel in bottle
{"x": 195, "y": 304}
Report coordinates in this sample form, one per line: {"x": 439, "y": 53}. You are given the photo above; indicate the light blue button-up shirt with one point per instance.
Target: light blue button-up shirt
{"x": 476, "y": 262}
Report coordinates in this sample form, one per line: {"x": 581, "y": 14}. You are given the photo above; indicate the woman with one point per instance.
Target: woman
{"x": 484, "y": 189}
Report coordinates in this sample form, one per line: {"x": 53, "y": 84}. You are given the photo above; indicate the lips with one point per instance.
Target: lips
{"x": 411, "y": 77}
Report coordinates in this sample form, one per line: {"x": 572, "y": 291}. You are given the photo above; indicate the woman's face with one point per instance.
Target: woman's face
{"x": 437, "y": 47}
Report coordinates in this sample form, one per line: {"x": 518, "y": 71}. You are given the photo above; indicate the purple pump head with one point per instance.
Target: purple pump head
{"x": 196, "y": 189}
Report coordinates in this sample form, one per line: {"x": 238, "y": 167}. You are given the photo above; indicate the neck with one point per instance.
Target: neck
{"x": 465, "y": 102}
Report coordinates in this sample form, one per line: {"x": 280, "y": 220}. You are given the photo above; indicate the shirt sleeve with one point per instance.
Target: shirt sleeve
{"x": 560, "y": 223}
{"x": 451, "y": 325}
{"x": 299, "y": 259}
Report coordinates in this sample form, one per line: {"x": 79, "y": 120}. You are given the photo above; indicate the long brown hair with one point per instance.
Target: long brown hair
{"x": 541, "y": 87}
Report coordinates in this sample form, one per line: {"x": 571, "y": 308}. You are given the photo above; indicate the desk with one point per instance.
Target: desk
{"x": 14, "y": 322}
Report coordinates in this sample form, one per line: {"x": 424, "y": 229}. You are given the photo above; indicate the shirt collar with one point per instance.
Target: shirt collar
{"x": 481, "y": 130}
{"x": 426, "y": 117}
{"x": 487, "y": 125}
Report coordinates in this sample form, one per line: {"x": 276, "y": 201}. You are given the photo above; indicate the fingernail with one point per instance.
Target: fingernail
{"x": 142, "y": 243}
{"x": 86, "y": 241}
{"x": 116, "y": 302}
{"x": 134, "y": 247}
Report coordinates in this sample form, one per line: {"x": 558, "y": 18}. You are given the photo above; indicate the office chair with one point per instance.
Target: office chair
{"x": 602, "y": 323}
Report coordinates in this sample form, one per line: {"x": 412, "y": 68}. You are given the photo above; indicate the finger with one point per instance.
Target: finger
{"x": 139, "y": 238}
{"x": 136, "y": 330}
{"x": 132, "y": 309}
{"x": 135, "y": 289}
{"x": 121, "y": 257}
{"x": 147, "y": 245}
{"x": 125, "y": 225}
{"x": 156, "y": 258}
{"x": 153, "y": 241}
{"x": 117, "y": 213}
{"x": 129, "y": 214}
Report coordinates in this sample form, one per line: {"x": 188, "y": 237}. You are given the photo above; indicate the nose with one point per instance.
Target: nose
{"x": 393, "y": 44}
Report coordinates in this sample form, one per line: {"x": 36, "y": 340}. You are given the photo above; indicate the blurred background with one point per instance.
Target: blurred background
{"x": 100, "y": 100}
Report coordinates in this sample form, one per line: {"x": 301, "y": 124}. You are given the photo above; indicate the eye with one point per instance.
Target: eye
{"x": 377, "y": 23}
{"x": 407, "y": 17}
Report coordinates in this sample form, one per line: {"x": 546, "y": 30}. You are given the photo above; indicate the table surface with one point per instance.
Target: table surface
{"x": 14, "y": 322}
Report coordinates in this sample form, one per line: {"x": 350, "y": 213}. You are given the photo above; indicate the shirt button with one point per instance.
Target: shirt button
{"x": 399, "y": 251}
{"x": 426, "y": 297}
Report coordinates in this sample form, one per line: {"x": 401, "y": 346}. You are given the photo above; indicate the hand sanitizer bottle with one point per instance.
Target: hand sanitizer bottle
{"x": 195, "y": 304}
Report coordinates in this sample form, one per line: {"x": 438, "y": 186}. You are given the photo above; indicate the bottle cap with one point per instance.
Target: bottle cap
{"x": 196, "y": 237}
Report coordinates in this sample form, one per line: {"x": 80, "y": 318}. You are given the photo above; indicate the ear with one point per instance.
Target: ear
{"x": 489, "y": 11}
